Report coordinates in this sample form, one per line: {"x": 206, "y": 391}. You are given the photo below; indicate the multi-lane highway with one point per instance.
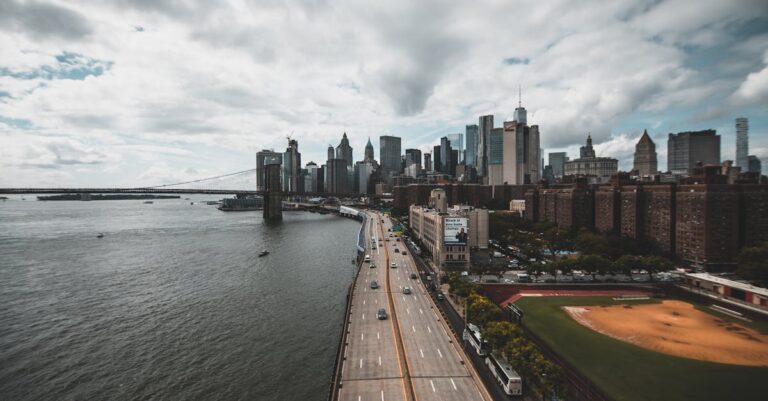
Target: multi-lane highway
{"x": 410, "y": 355}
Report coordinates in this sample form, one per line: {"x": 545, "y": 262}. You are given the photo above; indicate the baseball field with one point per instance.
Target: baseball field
{"x": 652, "y": 349}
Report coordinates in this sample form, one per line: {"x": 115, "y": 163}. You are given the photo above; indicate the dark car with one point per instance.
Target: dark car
{"x": 414, "y": 276}
{"x": 397, "y": 250}
{"x": 382, "y": 314}
{"x": 374, "y": 284}
{"x": 440, "y": 297}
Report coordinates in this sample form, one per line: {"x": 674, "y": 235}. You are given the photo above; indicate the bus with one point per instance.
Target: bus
{"x": 510, "y": 381}
{"x": 472, "y": 335}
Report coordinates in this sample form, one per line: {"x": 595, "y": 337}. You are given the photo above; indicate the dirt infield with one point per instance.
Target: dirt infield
{"x": 676, "y": 328}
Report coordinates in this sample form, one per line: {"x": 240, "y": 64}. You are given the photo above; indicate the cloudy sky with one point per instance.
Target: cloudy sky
{"x": 145, "y": 92}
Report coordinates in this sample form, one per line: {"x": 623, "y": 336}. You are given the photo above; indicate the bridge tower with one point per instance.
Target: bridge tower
{"x": 273, "y": 199}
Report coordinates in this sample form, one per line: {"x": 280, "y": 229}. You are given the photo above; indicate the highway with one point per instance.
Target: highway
{"x": 411, "y": 355}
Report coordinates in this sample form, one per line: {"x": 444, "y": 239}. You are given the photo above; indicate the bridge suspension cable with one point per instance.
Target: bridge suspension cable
{"x": 202, "y": 179}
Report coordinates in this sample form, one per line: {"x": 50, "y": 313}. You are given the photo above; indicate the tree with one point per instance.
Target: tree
{"x": 594, "y": 264}
{"x": 481, "y": 311}
{"x": 753, "y": 264}
{"x": 499, "y": 333}
{"x": 624, "y": 264}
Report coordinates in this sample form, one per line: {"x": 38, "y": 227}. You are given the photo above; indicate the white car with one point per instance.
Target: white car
{"x": 393, "y": 265}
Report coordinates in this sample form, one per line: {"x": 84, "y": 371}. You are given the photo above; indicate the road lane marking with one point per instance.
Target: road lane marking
{"x": 438, "y": 351}
{"x": 382, "y": 395}
{"x": 408, "y": 310}
{"x": 377, "y": 336}
{"x": 414, "y": 328}
{"x": 361, "y": 336}
{"x": 361, "y": 363}
{"x": 454, "y": 384}
{"x": 430, "y": 330}
{"x": 420, "y": 311}
{"x": 363, "y": 302}
{"x": 421, "y": 352}
{"x": 433, "y": 386}
{"x": 363, "y": 317}
{"x": 379, "y": 360}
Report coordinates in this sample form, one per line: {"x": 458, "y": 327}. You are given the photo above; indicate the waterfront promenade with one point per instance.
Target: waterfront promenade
{"x": 411, "y": 355}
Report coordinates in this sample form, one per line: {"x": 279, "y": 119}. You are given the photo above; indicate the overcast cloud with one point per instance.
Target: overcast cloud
{"x": 138, "y": 92}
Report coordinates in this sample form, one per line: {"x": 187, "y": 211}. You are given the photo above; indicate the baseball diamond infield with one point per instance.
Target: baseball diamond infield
{"x": 676, "y": 328}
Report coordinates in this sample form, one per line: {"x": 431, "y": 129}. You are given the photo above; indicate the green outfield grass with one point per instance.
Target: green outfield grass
{"x": 626, "y": 372}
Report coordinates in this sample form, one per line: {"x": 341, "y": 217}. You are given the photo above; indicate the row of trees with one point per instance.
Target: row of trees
{"x": 753, "y": 264}
{"x": 598, "y": 264}
{"x": 504, "y": 337}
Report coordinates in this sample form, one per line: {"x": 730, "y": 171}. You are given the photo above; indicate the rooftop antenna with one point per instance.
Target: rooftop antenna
{"x": 520, "y": 96}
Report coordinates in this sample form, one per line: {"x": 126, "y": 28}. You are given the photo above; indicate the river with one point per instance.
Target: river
{"x": 173, "y": 303}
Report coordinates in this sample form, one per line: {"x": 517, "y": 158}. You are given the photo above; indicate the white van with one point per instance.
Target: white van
{"x": 367, "y": 258}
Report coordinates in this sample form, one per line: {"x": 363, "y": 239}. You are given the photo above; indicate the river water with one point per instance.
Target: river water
{"x": 172, "y": 304}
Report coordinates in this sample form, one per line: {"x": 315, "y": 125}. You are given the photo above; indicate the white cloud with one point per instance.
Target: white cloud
{"x": 204, "y": 86}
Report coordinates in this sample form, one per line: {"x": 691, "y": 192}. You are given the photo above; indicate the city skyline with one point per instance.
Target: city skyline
{"x": 125, "y": 95}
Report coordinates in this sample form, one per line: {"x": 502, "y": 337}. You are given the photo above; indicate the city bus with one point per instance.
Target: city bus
{"x": 472, "y": 335}
{"x": 510, "y": 381}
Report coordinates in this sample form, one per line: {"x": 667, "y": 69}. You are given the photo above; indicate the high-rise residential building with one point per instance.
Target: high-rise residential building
{"x": 470, "y": 153}
{"x": 557, "y": 161}
{"x": 754, "y": 164}
{"x": 428, "y": 162}
{"x": 412, "y": 156}
{"x": 368, "y": 152}
{"x": 344, "y": 151}
{"x": 389, "y": 155}
{"x": 437, "y": 162}
{"x": 742, "y": 143}
{"x": 686, "y": 149}
{"x": 291, "y": 167}
{"x": 457, "y": 143}
{"x": 496, "y": 157}
{"x": 590, "y": 165}
{"x": 483, "y": 135}
{"x": 645, "y": 156}
{"x": 263, "y": 158}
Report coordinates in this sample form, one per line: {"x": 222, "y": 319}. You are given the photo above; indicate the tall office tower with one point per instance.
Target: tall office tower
{"x": 445, "y": 156}
{"x": 344, "y": 151}
{"x": 437, "y": 162}
{"x": 262, "y": 157}
{"x": 412, "y": 156}
{"x": 389, "y": 155}
{"x": 755, "y": 165}
{"x": 337, "y": 177}
{"x": 513, "y": 153}
{"x": 363, "y": 172}
{"x": 557, "y": 161}
{"x": 291, "y": 167}
{"x": 532, "y": 154}
{"x": 645, "y": 156}
{"x": 454, "y": 162}
{"x": 685, "y": 149}
{"x": 331, "y": 153}
{"x": 457, "y": 143}
{"x": 470, "y": 153}
{"x": 520, "y": 115}
{"x": 310, "y": 181}
{"x": 742, "y": 143}
{"x": 368, "y": 151}
{"x": 484, "y": 132}
{"x": 496, "y": 157}
{"x": 428, "y": 162}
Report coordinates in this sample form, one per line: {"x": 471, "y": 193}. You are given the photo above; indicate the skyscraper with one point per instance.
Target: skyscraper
{"x": 310, "y": 181}
{"x": 742, "y": 143}
{"x": 557, "y": 161}
{"x": 389, "y": 155}
{"x": 368, "y": 151}
{"x": 522, "y": 151}
{"x": 437, "y": 165}
{"x": 457, "y": 143}
{"x": 645, "y": 156}
{"x": 470, "y": 153}
{"x": 344, "y": 151}
{"x": 685, "y": 149}
{"x": 496, "y": 157}
{"x": 291, "y": 167}
{"x": 446, "y": 158}
{"x": 755, "y": 165}
{"x": 412, "y": 156}
{"x": 484, "y": 133}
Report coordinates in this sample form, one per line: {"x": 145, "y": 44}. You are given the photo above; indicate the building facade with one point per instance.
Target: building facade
{"x": 742, "y": 143}
{"x": 470, "y": 153}
{"x": 686, "y": 149}
{"x": 389, "y": 155}
{"x": 292, "y": 167}
{"x": 590, "y": 165}
{"x": 645, "y": 162}
{"x": 263, "y": 158}
{"x": 557, "y": 161}
{"x": 457, "y": 143}
{"x": 484, "y": 132}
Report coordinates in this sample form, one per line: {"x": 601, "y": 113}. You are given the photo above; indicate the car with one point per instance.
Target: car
{"x": 393, "y": 265}
{"x": 406, "y": 290}
{"x": 397, "y": 250}
{"x": 440, "y": 297}
{"x": 414, "y": 276}
{"x": 382, "y": 314}
{"x": 372, "y": 266}
{"x": 374, "y": 284}
{"x": 404, "y": 253}
{"x": 397, "y": 239}
{"x": 386, "y": 239}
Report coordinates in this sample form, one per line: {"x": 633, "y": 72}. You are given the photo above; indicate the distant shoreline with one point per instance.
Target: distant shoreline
{"x": 89, "y": 197}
